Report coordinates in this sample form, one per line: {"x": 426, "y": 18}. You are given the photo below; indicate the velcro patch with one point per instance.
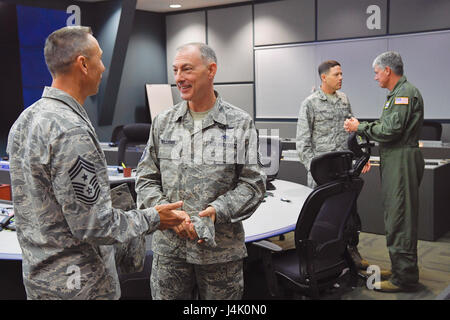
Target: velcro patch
{"x": 401, "y": 100}
{"x": 84, "y": 181}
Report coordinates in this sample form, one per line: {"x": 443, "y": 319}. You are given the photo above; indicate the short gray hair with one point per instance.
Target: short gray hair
{"x": 389, "y": 59}
{"x": 207, "y": 53}
{"x": 64, "y": 45}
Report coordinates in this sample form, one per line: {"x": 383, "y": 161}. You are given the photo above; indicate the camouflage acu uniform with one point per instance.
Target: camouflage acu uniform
{"x": 205, "y": 177}
{"x": 66, "y": 225}
{"x": 320, "y": 127}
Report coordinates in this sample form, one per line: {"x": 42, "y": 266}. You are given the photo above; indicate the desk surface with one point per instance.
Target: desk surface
{"x": 273, "y": 217}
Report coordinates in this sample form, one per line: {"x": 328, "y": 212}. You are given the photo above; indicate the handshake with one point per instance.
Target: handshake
{"x": 179, "y": 221}
{"x": 351, "y": 125}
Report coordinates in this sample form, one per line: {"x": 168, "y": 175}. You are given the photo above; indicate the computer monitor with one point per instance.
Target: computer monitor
{"x": 269, "y": 155}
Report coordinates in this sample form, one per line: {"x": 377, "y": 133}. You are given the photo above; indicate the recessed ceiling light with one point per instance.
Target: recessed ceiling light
{"x": 175, "y": 6}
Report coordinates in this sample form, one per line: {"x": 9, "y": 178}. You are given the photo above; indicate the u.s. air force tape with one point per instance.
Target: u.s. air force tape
{"x": 84, "y": 181}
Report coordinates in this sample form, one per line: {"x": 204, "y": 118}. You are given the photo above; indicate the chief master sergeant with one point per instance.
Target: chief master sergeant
{"x": 65, "y": 222}
{"x": 188, "y": 158}
{"x": 402, "y": 166}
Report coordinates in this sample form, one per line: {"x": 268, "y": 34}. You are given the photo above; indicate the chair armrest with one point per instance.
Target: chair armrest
{"x": 267, "y": 245}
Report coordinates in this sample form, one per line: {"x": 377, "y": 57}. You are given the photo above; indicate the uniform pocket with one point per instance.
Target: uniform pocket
{"x": 324, "y": 115}
{"x": 169, "y": 151}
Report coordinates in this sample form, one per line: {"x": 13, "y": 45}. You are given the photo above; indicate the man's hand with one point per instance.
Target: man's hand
{"x": 351, "y": 125}
{"x": 169, "y": 217}
{"x": 186, "y": 229}
{"x": 209, "y": 212}
{"x": 366, "y": 167}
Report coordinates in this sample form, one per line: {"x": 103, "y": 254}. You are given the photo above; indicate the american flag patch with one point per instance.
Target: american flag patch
{"x": 401, "y": 100}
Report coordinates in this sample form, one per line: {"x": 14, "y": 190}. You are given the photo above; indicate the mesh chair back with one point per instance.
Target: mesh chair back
{"x": 319, "y": 233}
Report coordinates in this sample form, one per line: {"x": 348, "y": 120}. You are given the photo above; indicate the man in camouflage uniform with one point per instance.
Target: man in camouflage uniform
{"x": 319, "y": 130}
{"x": 319, "y": 125}
{"x": 66, "y": 225}
{"x": 202, "y": 151}
{"x": 401, "y": 167}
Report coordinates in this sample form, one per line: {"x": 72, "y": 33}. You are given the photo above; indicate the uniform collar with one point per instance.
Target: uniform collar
{"x": 397, "y": 86}
{"x": 323, "y": 96}
{"x": 57, "y": 94}
{"x": 67, "y": 99}
{"x": 217, "y": 112}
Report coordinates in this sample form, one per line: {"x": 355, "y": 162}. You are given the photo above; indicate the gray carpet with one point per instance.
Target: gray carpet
{"x": 434, "y": 267}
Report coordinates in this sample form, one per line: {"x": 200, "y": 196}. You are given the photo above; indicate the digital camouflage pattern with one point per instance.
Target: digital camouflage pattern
{"x": 320, "y": 127}
{"x": 216, "y": 167}
{"x": 171, "y": 279}
{"x": 130, "y": 255}
{"x": 66, "y": 225}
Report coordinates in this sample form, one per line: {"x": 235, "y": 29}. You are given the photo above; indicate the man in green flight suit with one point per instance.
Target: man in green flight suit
{"x": 402, "y": 167}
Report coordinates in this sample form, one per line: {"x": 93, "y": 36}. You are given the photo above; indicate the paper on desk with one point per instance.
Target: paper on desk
{"x": 9, "y": 243}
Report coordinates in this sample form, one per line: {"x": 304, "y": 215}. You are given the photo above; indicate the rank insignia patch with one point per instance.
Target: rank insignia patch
{"x": 84, "y": 181}
{"x": 401, "y": 100}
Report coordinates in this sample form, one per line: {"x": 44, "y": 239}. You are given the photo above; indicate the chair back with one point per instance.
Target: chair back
{"x": 319, "y": 233}
{"x": 117, "y": 134}
{"x": 134, "y": 134}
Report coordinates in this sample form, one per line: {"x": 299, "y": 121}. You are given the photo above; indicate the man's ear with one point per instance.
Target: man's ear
{"x": 388, "y": 71}
{"x": 212, "y": 68}
{"x": 81, "y": 63}
{"x": 323, "y": 76}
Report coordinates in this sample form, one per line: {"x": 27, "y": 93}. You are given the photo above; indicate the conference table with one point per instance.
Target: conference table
{"x": 276, "y": 215}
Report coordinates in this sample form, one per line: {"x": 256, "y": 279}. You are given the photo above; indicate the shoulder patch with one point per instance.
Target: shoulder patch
{"x": 84, "y": 181}
{"x": 401, "y": 100}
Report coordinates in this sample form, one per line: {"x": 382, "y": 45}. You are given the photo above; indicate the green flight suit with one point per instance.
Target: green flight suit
{"x": 402, "y": 167}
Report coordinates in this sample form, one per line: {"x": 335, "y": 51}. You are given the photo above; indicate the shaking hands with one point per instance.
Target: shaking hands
{"x": 187, "y": 230}
{"x": 351, "y": 125}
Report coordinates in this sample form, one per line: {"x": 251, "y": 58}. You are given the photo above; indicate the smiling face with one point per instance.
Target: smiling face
{"x": 193, "y": 76}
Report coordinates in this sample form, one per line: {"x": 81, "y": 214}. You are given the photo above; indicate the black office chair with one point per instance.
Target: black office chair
{"x": 320, "y": 265}
{"x": 431, "y": 130}
{"x": 134, "y": 134}
{"x": 116, "y": 135}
